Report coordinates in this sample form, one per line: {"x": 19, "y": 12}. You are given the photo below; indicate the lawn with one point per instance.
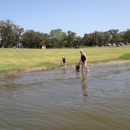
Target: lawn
{"x": 20, "y": 59}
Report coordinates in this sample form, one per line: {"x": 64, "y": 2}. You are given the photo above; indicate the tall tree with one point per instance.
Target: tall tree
{"x": 9, "y": 33}
{"x": 70, "y": 38}
{"x": 31, "y": 39}
{"x": 57, "y": 36}
{"x": 18, "y": 31}
{"x": 126, "y": 36}
{"x": 77, "y": 41}
{"x": 106, "y": 36}
{"x": 115, "y": 37}
{"x": 5, "y": 32}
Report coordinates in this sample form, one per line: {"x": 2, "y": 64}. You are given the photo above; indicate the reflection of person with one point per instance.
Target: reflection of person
{"x": 64, "y": 61}
{"x": 64, "y": 70}
{"x": 84, "y": 84}
{"x": 84, "y": 60}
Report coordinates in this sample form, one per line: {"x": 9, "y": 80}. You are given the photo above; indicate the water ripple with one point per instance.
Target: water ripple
{"x": 65, "y": 99}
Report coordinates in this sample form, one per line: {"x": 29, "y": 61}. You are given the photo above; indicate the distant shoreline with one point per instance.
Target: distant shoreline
{"x": 45, "y": 68}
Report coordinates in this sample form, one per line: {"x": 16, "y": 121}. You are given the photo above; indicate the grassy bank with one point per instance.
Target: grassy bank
{"x": 20, "y": 59}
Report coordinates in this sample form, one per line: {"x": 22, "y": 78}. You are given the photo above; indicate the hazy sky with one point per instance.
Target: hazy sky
{"x": 79, "y": 16}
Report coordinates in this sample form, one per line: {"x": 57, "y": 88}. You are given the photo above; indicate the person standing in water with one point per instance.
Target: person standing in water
{"x": 63, "y": 61}
{"x": 83, "y": 60}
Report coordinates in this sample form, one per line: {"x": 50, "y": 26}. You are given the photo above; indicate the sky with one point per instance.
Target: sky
{"x": 79, "y": 16}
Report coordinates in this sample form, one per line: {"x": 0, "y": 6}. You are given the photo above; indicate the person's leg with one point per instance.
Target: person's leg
{"x": 86, "y": 66}
{"x": 82, "y": 65}
{"x": 65, "y": 64}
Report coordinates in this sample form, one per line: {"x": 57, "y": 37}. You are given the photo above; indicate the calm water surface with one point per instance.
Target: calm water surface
{"x": 63, "y": 99}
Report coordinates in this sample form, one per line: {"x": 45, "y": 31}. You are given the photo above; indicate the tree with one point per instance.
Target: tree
{"x": 126, "y": 36}
{"x": 45, "y": 40}
{"x": 77, "y": 41}
{"x": 101, "y": 38}
{"x": 90, "y": 39}
{"x": 31, "y": 39}
{"x": 57, "y": 37}
{"x": 9, "y": 33}
{"x": 106, "y": 37}
{"x": 70, "y": 38}
{"x": 5, "y": 32}
{"x": 86, "y": 39}
{"x": 115, "y": 37}
{"x": 17, "y": 33}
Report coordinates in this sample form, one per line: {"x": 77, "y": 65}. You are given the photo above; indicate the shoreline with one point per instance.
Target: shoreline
{"x": 111, "y": 62}
{"x": 45, "y": 68}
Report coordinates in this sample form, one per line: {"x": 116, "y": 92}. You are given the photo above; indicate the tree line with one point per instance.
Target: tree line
{"x": 12, "y": 35}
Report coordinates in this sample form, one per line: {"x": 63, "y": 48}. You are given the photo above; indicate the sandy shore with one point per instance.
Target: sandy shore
{"x": 44, "y": 68}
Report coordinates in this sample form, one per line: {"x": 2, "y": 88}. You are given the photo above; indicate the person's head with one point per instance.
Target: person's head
{"x": 81, "y": 51}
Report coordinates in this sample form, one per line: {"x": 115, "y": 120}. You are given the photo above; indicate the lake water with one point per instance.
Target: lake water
{"x": 64, "y": 99}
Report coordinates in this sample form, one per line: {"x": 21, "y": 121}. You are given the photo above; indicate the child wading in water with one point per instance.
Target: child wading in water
{"x": 84, "y": 60}
{"x": 63, "y": 61}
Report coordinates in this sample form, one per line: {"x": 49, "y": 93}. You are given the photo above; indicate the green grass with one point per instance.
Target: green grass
{"x": 125, "y": 56}
{"x": 20, "y": 59}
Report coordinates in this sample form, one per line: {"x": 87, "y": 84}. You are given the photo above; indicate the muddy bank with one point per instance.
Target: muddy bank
{"x": 45, "y": 68}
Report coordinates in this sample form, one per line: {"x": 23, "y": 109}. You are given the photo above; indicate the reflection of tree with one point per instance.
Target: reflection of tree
{"x": 84, "y": 83}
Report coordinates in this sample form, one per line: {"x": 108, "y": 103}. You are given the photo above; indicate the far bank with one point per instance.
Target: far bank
{"x": 38, "y": 59}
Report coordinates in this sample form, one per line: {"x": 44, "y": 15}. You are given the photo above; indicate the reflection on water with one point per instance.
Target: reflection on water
{"x": 56, "y": 99}
{"x": 64, "y": 70}
{"x": 84, "y": 82}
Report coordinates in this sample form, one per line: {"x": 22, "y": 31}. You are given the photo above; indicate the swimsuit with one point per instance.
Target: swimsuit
{"x": 83, "y": 58}
{"x": 64, "y": 60}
